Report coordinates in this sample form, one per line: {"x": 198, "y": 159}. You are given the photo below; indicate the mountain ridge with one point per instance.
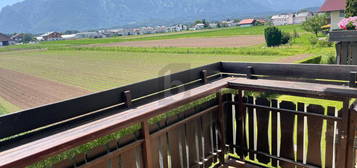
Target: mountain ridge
{"x": 37, "y": 16}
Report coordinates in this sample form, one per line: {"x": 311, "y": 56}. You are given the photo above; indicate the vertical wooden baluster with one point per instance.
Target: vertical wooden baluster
{"x": 330, "y": 132}
{"x": 300, "y": 134}
{"x": 221, "y": 134}
{"x": 350, "y": 137}
{"x": 240, "y": 122}
{"x": 147, "y": 145}
{"x": 274, "y": 132}
{"x": 314, "y": 125}
{"x": 263, "y": 129}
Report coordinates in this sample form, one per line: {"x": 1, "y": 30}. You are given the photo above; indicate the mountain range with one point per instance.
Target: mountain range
{"x": 36, "y": 16}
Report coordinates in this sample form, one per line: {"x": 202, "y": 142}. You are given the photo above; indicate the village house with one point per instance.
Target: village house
{"x": 292, "y": 18}
{"x": 229, "y": 23}
{"x": 89, "y": 35}
{"x": 282, "y": 19}
{"x": 301, "y": 17}
{"x": 199, "y": 26}
{"x": 336, "y": 9}
{"x": 247, "y": 22}
{"x": 17, "y": 38}
{"x": 50, "y": 36}
{"x": 4, "y": 40}
{"x": 213, "y": 25}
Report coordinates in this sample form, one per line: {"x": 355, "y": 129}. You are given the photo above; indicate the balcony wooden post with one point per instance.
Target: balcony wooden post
{"x": 147, "y": 158}
{"x": 342, "y": 141}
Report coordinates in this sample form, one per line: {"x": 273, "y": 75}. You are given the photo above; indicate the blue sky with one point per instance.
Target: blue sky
{"x": 8, "y": 2}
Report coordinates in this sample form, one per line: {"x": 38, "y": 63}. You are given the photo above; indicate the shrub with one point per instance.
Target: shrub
{"x": 313, "y": 40}
{"x": 273, "y": 36}
{"x": 285, "y": 38}
{"x": 324, "y": 43}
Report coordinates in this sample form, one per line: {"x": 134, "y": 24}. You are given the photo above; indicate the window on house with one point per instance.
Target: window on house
{"x": 342, "y": 13}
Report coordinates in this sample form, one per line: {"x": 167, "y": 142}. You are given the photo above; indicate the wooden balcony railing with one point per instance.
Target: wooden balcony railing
{"x": 223, "y": 114}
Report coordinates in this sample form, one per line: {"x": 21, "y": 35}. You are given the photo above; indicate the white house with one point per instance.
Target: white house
{"x": 301, "y": 17}
{"x": 199, "y": 26}
{"x": 283, "y": 19}
{"x": 336, "y": 9}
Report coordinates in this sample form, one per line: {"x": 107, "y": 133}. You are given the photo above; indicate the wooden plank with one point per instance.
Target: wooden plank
{"x": 263, "y": 125}
{"x": 274, "y": 132}
{"x": 344, "y": 53}
{"x": 302, "y": 88}
{"x": 221, "y": 128}
{"x": 192, "y": 139}
{"x": 330, "y": 133}
{"x": 251, "y": 127}
{"x": 240, "y": 124}
{"x": 51, "y": 145}
{"x": 49, "y": 114}
{"x": 311, "y": 71}
{"x": 338, "y": 53}
{"x": 287, "y": 133}
{"x": 207, "y": 123}
{"x": 315, "y": 131}
{"x": 128, "y": 159}
{"x": 175, "y": 147}
{"x": 228, "y": 115}
{"x": 300, "y": 134}
{"x": 353, "y": 48}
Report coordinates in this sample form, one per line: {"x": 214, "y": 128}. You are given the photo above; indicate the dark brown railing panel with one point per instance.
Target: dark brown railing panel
{"x": 309, "y": 71}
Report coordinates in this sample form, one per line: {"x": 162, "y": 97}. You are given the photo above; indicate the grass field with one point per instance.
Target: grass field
{"x": 74, "y": 63}
{"x": 100, "y": 70}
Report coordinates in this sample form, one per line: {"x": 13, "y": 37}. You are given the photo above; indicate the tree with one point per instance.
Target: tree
{"x": 205, "y": 23}
{"x": 26, "y": 38}
{"x": 314, "y": 24}
{"x": 351, "y": 8}
{"x": 273, "y": 36}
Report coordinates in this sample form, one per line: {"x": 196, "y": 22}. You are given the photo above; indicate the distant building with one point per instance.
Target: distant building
{"x": 283, "y": 19}
{"x": 301, "y": 17}
{"x": 336, "y": 9}
{"x": 261, "y": 21}
{"x": 247, "y": 22}
{"x": 4, "y": 40}
{"x": 213, "y": 25}
{"x": 291, "y": 18}
{"x": 50, "y": 36}
{"x": 90, "y": 35}
{"x": 70, "y": 36}
{"x": 18, "y": 38}
{"x": 199, "y": 26}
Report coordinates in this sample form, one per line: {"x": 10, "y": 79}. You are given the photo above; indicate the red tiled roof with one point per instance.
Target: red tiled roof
{"x": 247, "y": 21}
{"x": 333, "y": 5}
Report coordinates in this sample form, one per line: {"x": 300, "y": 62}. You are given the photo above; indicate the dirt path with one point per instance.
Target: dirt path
{"x": 235, "y": 41}
{"x": 295, "y": 58}
{"x": 27, "y": 91}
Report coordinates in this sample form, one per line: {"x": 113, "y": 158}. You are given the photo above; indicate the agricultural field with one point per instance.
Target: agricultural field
{"x": 84, "y": 66}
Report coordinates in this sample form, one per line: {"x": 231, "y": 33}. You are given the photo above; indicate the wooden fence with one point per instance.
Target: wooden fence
{"x": 212, "y": 122}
